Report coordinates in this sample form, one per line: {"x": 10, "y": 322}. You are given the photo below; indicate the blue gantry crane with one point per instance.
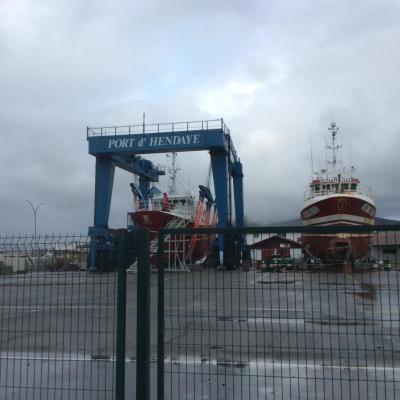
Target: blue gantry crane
{"x": 123, "y": 147}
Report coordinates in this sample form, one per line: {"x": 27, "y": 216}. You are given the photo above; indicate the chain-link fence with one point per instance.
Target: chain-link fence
{"x": 57, "y": 322}
{"x": 305, "y": 313}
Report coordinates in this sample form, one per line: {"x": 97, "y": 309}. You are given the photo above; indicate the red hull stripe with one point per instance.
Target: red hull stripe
{"x": 335, "y": 205}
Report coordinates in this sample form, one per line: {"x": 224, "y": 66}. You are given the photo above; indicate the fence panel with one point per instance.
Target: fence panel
{"x": 57, "y": 322}
{"x": 313, "y": 314}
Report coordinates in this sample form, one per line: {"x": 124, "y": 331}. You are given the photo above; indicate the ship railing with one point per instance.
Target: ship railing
{"x": 183, "y": 211}
{"x": 213, "y": 124}
{"x": 361, "y": 189}
{"x": 232, "y": 148}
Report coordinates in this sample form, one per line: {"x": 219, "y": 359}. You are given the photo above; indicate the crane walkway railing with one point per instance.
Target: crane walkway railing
{"x": 158, "y": 128}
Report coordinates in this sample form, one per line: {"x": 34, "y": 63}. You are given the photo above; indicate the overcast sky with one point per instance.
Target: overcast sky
{"x": 274, "y": 70}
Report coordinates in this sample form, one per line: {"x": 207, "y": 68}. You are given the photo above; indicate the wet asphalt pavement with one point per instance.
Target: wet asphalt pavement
{"x": 228, "y": 335}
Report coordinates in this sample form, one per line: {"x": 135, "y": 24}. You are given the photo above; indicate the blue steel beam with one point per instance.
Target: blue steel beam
{"x": 220, "y": 175}
{"x": 237, "y": 174}
{"x": 165, "y": 142}
{"x": 138, "y": 166}
{"x": 105, "y": 169}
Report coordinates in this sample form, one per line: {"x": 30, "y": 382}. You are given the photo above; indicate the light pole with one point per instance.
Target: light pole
{"x": 35, "y": 210}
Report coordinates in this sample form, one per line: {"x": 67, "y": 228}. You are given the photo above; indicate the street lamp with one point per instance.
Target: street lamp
{"x": 35, "y": 210}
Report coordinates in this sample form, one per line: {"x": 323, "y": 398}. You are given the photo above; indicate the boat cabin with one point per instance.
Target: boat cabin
{"x": 176, "y": 203}
{"x": 180, "y": 205}
{"x": 323, "y": 187}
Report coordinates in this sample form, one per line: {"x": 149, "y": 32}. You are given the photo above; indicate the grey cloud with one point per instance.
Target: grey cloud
{"x": 69, "y": 64}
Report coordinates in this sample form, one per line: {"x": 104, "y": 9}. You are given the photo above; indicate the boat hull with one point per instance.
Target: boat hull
{"x": 179, "y": 249}
{"x": 338, "y": 210}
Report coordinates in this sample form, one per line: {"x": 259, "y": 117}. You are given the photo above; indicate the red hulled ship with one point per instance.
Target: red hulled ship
{"x": 171, "y": 210}
{"x": 336, "y": 197}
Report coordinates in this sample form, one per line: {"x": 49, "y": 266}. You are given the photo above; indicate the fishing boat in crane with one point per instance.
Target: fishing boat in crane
{"x": 171, "y": 210}
{"x": 336, "y": 197}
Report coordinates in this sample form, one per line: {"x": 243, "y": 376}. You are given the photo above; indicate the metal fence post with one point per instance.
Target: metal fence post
{"x": 143, "y": 316}
{"x": 160, "y": 322}
{"x": 121, "y": 317}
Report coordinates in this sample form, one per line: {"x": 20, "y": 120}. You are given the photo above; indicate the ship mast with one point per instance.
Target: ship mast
{"x": 172, "y": 173}
{"x": 333, "y": 146}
